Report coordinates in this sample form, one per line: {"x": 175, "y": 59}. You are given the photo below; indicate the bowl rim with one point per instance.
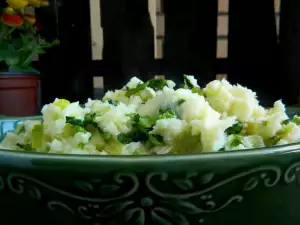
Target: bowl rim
{"x": 150, "y": 159}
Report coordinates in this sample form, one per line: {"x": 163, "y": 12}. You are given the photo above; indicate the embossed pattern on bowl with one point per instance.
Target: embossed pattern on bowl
{"x": 256, "y": 187}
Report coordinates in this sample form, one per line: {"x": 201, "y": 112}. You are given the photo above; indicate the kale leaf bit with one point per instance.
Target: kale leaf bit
{"x": 155, "y": 84}
{"x": 234, "y": 129}
{"x": 142, "y": 125}
{"x": 188, "y": 85}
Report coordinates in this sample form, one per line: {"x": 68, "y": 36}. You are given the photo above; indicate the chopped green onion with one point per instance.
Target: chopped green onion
{"x": 234, "y": 129}
{"x": 156, "y": 139}
{"x": 236, "y": 141}
{"x": 296, "y": 120}
{"x": 187, "y": 82}
{"x": 25, "y": 147}
{"x": 198, "y": 91}
{"x": 285, "y": 122}
{"x": 155, "y": 84}
{"x": 124, "y": 138}
{"x": 112, "y": 102}
{"x": 180, "y": 102}
{"x": 75, "y": 122}
{"x": 106, "y": 136}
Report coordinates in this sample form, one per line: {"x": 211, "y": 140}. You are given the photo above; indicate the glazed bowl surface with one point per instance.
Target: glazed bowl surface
{"x": 252, "y": 187}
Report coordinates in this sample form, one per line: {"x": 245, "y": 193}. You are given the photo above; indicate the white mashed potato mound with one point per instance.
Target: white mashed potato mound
{"x": 156, "y": 117}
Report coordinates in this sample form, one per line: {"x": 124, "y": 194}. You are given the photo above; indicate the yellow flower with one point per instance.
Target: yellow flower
{"x": 9, "y": 10}
{"x": 17, "y": 4}
{"x": 30, "y": 18}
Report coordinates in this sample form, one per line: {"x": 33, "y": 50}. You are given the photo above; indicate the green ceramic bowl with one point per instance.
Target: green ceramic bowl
{"x": 256, "y": 187}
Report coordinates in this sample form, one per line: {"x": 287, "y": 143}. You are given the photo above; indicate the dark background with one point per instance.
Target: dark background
{"x": 255, "y": 57}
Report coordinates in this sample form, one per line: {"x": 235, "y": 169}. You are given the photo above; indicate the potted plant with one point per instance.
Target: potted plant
{"x": 19, "y": 41}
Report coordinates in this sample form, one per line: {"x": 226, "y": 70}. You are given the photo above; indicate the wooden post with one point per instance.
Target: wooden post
{"x": 96, "y": 30}
{"x": 152, "y": 12}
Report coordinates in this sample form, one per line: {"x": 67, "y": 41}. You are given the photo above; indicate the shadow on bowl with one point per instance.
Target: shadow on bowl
{"x": 254, "y": 187}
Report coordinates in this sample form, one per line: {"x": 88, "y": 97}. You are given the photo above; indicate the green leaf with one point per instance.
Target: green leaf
{"x": 234, "y": 129}
{"x": 113, "y": 209}
{"x": 39, "y": 51}
{"x": 163, "y": 213}
{"x": 27, "y": 69}
{"x": 183, "y": 206}
{"x": 183, "y": 184}
{"x": 13, "y": 60}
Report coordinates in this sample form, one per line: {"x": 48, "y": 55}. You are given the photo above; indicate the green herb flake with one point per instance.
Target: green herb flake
{"x": 139, "y": 87}
{"x": 112, "y": 102}
{"x": 222, "y": 149}
{"x": 75, "y": 122}
{"x": 167, "y": 114}
{"x": 125, "y": 138}
{"x": 272, "y": 141}
{"x": 155, "y": 84}
{"x": 198, "y": 91}
{"x": 156, "y": 139}
{"x": 236, "y": 141}
{"x": 80, "y": 145}
{"x": 106, "y": 136}
{"x": 141, "y": 126}
{"x": 285, "y": 122}
{"x": 234, "y": 129}
{"x": 25, "y": 147}
{"x": 180, "y": 102}
{"x": 89, "y": 118}
{"x": 82, "y": 125}
{"x": 296, "y": 120}
{"x": 187, "y": 82}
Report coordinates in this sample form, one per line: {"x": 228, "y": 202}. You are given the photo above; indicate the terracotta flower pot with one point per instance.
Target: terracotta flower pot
{"x": 19, "y": 94}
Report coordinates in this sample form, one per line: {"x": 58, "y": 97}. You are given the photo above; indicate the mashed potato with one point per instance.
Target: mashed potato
{"x": 155, "y": 117}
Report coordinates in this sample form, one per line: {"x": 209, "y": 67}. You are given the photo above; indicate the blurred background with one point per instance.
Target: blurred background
{"x": 105, "y": 42}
